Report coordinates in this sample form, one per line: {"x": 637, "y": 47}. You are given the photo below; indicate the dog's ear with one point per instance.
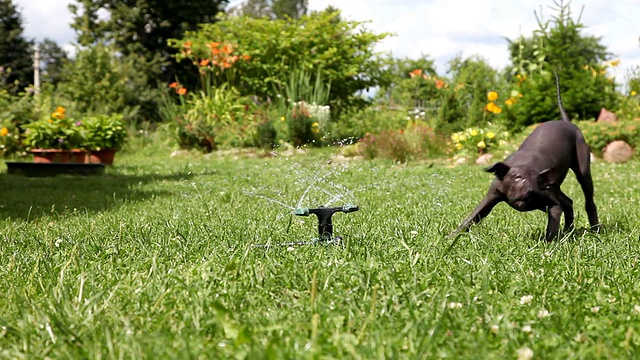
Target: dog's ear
{"x": 500, "y": 169}
{"x": 547, "y": 178}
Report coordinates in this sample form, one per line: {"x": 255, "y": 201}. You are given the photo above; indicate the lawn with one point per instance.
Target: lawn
{"x": 157, "y": 259}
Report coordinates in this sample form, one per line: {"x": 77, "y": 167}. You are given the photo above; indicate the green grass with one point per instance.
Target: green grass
{"x": 156, "y": 260}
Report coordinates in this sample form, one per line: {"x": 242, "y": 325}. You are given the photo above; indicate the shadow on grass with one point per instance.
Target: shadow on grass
{"x": 29, "y": 198}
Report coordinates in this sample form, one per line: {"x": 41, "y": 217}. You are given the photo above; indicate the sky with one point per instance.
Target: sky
{"x": 438, "y": 29}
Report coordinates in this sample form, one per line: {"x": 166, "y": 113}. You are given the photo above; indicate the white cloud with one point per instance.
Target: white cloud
{"x": 440, "y": 29}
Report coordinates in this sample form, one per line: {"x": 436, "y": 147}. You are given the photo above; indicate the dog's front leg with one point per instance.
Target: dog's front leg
{"x": 481, "y": 211}
{"x": 553, "y": 225}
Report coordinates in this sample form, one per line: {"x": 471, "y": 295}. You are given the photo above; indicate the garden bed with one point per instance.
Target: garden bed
{"x": 34, "y": 169}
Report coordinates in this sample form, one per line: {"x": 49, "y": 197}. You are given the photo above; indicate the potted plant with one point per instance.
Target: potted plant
{"x": 56, "y": 139}
{"x": 104, "y": 135}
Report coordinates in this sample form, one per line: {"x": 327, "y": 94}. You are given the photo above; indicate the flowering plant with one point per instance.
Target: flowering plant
{"x": 477, "y": 140}
{"x": 56, "y": 132}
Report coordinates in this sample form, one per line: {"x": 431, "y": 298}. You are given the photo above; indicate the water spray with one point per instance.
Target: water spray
{"x": 325, "y": 225}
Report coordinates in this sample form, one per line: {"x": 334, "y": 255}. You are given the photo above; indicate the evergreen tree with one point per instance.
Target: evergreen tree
{"x": 52, "y": 59}
{"x": 273, "y": 9}
{"x": 559, "y": 45}
{"x": 16, "y": 62}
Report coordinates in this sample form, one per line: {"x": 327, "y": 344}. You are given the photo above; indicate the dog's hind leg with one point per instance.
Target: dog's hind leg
{"x": 582, "y": 169}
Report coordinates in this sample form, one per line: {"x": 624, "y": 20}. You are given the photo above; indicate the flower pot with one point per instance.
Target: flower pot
{"x": 104, "y": 156}
{"x": 58, "y": 156}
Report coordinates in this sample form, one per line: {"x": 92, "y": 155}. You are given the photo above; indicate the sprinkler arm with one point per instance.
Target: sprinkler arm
{"x": 325, "y": 227}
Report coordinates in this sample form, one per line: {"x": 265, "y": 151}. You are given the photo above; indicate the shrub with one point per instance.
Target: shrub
{"x": 417, "y": 141}
{"x": 213, "y": 119}
{"x": 599, "y": 134}
{"x": 473, "y": 141}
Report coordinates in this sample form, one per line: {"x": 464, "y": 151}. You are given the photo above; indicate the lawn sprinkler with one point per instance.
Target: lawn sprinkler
{"x": 325, "y": 226}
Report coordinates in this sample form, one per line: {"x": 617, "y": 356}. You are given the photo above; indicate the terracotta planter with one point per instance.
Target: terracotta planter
{"x": 58, "y": 156}
{"x": 104, "y": 156}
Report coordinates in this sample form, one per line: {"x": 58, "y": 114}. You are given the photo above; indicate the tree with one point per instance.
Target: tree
{"x": 580, "y": 61}
{"x": 52, "y": 59}
{"x": 139, "y": 29}
{"x": 272, "y": 9}
{"x": 16, "y": 63}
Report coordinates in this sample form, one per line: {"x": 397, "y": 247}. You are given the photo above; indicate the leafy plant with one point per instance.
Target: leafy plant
{"x": 56, "y": 132}
{"x": 104, "y": 132}
{"x": 475, "y": 141}
{"x": 599, "y": 134}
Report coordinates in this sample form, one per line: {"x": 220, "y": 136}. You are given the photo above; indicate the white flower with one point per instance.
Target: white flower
{"x": 636, "y": 309}
{"x": 580, "y": 338}
{"x": 595, "y": 309}
{"x": 543, "y": 314}
{"x": 494, "y": 329}
{"x": 58, "y": 242}
{"x": 525, "y": 354}
{"x": 455, "y": 305}
{"x": 527, "y": 329}
{"x": 413, "y": 233}
{"x": 525, "y": 300}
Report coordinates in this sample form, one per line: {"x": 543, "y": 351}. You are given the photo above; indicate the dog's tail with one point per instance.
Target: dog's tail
{"x": 563, "y": 112}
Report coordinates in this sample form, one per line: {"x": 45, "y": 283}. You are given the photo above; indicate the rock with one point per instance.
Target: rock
{"x": 607, "y": 116}
{"x": 180, "y": 153}
{"x": 484, "y": 159}
{"x": 617, "y": 152}
{"x": 460, "y": 161}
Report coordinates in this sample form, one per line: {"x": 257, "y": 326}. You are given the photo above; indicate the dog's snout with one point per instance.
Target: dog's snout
{"x": 529, "y": 191}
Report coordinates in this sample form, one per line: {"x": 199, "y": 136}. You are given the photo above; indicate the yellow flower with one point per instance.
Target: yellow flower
{"x": 482, "y": 145}
{"x": 463, "y": 138}
{"x": 615, "y": 63}
{"x": 458, "y": 146}
{"x": 633, "y": 93}
{"x": 4, "y": 131}
{"x": 490, "y": 135}
{"x": 492, "y": 96}
{"x": 282, "y": 118}
{"x": 60, "y": 110}
{"x": 58, "y": 115}
{"x": 474, "y": 132}
{"x": 510, "y": 101}
{"x": 455, "y": 137}
{"x": 315, "y": 124}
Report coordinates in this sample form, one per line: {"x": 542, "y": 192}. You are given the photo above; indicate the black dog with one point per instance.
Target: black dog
{"x": 530, "y": 178}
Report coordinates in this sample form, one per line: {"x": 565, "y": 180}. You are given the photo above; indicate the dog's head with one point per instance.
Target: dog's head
{"x": 523, "y": 187}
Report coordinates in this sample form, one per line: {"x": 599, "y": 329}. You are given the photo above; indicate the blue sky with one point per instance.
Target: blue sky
{"x": 440, "y": 29}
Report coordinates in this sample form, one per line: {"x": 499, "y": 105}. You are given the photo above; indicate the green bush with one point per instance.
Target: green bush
{"x": 215, "y": 119}
{"x": 474, "y": 141}
{"x": 416, "y": 141}
{"x": 342, "y": 50}
{"x": 599, "y": 134}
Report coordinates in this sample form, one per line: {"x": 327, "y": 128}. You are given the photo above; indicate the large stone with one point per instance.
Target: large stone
{"x": 617, "y": 152}
{"x": 484, "y": 159}
{"x": 607, "y": 116}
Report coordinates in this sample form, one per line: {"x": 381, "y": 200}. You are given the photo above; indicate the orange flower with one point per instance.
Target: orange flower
{"x": 439, "y": 84}
{"x": 491, "y": 107}
{"x": 213, "y": 45}
{"x": 233, "y": 59}
{"x": 182, "y": 91}
{"x": 226, "y": 65}
{"x": 173, "y": 85}
{"x": 204, "y": 62}
{"x": 416, "y": 72}
{"x": 246, "y": 57}
{"x": 187, "y": 44}
{"x": 4, "y": 131}
{"x": 492, "y": 96}
{"x": 227, "y": 49}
